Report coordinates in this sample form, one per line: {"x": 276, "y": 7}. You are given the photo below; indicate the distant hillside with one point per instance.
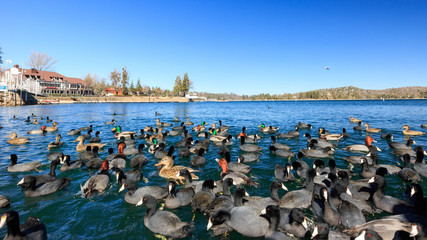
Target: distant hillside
{"x": 329, "y": 94}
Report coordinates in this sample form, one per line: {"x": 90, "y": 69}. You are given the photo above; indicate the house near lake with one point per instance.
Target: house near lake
{"x": 41, "y": 82}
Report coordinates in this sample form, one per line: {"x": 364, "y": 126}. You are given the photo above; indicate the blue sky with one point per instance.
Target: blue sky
{"x": 244, "y": 47}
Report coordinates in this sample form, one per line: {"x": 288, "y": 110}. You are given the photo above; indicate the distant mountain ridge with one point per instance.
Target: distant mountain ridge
{"x": 345, "y": 93}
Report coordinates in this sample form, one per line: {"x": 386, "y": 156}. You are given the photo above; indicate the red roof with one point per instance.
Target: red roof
{"x": 75, "y": 80}
{"x": 48, "y": 76}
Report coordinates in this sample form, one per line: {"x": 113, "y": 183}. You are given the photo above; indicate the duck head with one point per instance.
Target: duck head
{"x": 79, "y": 138}
{"x": 13, "y": 159}
{"x": 12, "y": 135}
{"x": 105, "y": 166}
{"x": 368, "y": 141}
{"x": 120, "y": 147}
{"x": 223, "y": 164}
{"x": 218, "y": 218}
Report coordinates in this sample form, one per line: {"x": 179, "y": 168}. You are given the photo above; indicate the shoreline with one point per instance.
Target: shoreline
{"x": 125, "y": 99}
{"x": 68, "y": 100}
{"x": 148, "y": 99}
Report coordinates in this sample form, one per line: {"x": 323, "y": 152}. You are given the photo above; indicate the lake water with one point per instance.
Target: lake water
{"x": 68, "y": 215}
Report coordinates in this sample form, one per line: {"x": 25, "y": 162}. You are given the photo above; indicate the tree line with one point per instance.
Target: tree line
{"x": 119, "y": 80}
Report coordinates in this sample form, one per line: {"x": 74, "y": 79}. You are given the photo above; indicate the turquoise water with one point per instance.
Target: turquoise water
{"x": 68, "y": 215}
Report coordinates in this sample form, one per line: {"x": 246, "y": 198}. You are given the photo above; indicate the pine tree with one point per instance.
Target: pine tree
{"x": 186, "y": 84}
{"x": 124, "y": 81}
{"x": 131, "y": 88}
{"x": 138, "y": 88}
{"x": 177, "y": 87}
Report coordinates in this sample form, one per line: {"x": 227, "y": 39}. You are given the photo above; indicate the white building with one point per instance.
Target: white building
{"x": 41, "y": 82}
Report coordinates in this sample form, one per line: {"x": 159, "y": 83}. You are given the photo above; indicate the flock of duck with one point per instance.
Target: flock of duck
{"x": 333, "y": 203}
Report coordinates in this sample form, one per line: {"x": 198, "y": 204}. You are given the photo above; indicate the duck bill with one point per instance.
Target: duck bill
{"x": 284, "y": 187}
{"x": 123, "y": 188}
{"x": 361, "y": 236}
{"x": 315, "y": 232}
{"x": 304, "y": 223}
{"x": 139, "y": 203}
{"x": 371, "y": 180}
{"x": 209, "y": 224}
{"x": 412, "y": 191}
{"x": 412, "y": 233}
{"x": 20, "y": 182}
{"x": 159, "y": 164}
{"x": 3, "y": 220}
{"x": 264, "y": 211}
{"x": 349, "y": 192}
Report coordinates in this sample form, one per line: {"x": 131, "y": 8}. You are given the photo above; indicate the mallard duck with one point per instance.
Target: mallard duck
{"x": 267, "y": 130}
{"x": 372, "y": 130}
{"x": 188, "y": 123}
{"x": 163, "y": 124}
{"x": 200, "y": 128}
{"x": 42, "y": 130}
{"x": 170, "y": 171}
{"x": 112, "y": 122}
{"x": 56, "y": 143}
{"x": 53, "y": 128}
{"x": 323, "y": 134}
{"x": 81, "y": 147}
{"x": 176, "y": 119}
{"x": 217, "y": 138}
{"x": 354, "y": 120}
{"x": 124, "y": 134}
{"x": 223, "y": 127}
{"x": 15, "y": 140}
{"x": 411, "y": 132}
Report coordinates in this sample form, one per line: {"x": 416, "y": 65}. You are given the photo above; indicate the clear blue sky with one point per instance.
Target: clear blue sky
{"x": 245, "y": 47}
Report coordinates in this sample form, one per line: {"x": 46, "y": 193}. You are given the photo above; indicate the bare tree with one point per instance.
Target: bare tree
{"x": 89, "y": 80}
{"x": 41, "y": 61}
{"x": 115, "y": 79}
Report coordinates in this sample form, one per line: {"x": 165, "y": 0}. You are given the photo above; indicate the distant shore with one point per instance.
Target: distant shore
{"x": 146, "y": 99}
{"x": 118, "y": 99}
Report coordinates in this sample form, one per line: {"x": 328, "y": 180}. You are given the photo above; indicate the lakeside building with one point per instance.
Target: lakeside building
{"x": 113, "y": 92}
{"x": 42, "y": 82}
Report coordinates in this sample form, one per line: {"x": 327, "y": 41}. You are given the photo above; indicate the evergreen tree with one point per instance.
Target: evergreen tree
{"x": 125, "y": 81}
{"x": 138, "y": 88}
{"x": 177, "y": 87}
{"x": 186, "y": 84}
{"x": 1, "y": 61}
{"x": 131, "y": 87}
